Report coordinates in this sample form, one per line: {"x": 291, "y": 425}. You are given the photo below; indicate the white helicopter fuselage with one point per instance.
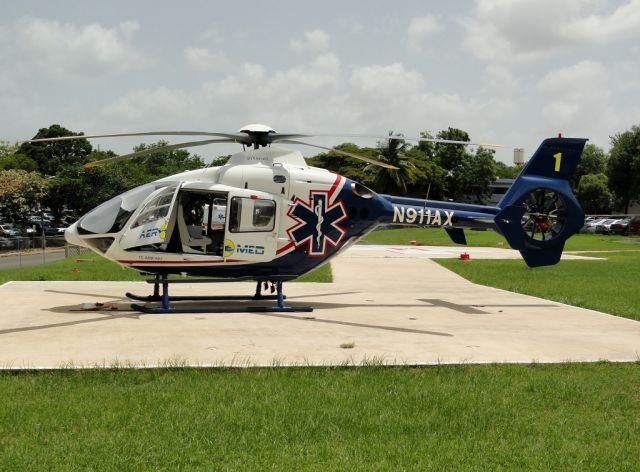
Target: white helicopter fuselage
{"x": 177, "y": 224}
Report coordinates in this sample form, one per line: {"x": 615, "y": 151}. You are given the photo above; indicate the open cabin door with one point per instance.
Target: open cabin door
{"x": 153, "y": 225}
{"x": 250, "y": 231}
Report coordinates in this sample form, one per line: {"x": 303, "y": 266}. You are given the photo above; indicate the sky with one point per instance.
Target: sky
{"x": 505, "y": 71}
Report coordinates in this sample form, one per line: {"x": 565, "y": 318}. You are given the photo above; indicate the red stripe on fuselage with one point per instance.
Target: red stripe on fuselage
{"x": 334, "y": 186}
{"x": 180, "y": 262}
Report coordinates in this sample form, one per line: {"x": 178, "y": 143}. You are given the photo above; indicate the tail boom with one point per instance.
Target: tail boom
{"x": 536, "y": 215}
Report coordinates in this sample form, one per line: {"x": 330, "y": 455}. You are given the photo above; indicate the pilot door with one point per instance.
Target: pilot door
{"x": 250, "y": 231}
{"x": 152, "y": 228}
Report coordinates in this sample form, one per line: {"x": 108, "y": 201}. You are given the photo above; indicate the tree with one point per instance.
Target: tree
{"x": 472, "y": 179}
{"x": 51, "y": 156}
{"x": 429, "y": 176}
{"x": 11, "y": 159}
{"x": 79, "y": 190}
{"x": 623, "y": 167}
{"x": 450, "y": 156}
{"x": 349, "y": 167}
{"x": 503, "y": 171}
{"x": 593, "y": 161}
{"x": 396, "y": 181}
{"x": 20, "y": 193}
{"x": 163, "y": 163}
{"x": 593, "y": 194}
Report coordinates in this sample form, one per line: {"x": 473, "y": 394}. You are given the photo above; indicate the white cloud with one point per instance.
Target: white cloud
{"x": 577, "y": 81}
{"x": 204, "y": 60}
{"x": 314, "y": 41}
{"x": 577, "y": 98}
{"x": 65, "y": 50}
{"x": 420, "y": 29}
{"x": 149, "y": 106}
{"x": 350, "y": 25}
{"x": 624, "y": 21}
{"x": 499, "y": 80}
{"x": 530, "y": 30}
{"x": 386, "y": 81}
{"x": 317, "y": 96}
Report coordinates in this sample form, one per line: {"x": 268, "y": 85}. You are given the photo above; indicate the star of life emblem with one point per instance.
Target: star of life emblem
{"x": 317, "y": 222}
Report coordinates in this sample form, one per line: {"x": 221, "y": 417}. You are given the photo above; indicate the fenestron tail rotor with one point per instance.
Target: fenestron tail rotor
{"x": 544, "y": 214}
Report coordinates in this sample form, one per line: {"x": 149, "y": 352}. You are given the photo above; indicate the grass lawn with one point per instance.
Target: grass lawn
{"x": 90, "y": 266}
{"x": 438, "y": 237}
{"x": 537, "y": 417}
{"x": 611, "y": 285}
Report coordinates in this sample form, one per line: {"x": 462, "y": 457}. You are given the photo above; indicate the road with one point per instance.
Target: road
{"x": 31, "y": 259}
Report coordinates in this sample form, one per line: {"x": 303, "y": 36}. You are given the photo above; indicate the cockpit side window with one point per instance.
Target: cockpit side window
{"x": 112, "y": 215}
{"x": 156, "y": 208}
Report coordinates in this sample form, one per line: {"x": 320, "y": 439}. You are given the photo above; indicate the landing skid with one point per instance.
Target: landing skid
{"x": 167, "y": 307}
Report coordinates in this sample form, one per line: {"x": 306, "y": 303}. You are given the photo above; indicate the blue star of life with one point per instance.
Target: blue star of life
{"x": 318, "y": 222}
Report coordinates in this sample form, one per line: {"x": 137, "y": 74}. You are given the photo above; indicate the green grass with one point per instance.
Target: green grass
{"x": 438, "y": 237}
{"x": 610, "y": 285}
{"x": 538, "y": 417}
{"x": 432, "y": 237}
{"x": 90, "y": 266}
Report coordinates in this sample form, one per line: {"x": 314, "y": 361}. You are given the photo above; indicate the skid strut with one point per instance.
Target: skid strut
{"x": 162, "y": 281}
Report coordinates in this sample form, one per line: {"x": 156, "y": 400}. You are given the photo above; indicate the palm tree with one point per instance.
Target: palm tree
{"x": 393, "y": 181}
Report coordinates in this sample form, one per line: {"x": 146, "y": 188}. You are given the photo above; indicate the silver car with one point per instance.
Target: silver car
{"x": 590, "y": 227}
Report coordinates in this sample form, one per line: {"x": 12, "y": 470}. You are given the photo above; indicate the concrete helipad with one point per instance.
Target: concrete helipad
{"x": 387, "y": 304}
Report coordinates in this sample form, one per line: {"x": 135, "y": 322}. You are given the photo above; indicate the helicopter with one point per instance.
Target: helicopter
{"x": 269, "y": 217}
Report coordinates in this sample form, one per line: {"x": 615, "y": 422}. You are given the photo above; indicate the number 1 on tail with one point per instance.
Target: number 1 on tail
{"x": 558, "y": 158}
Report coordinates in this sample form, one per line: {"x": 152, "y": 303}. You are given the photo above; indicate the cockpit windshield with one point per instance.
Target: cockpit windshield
{"x": 112, "y": 215}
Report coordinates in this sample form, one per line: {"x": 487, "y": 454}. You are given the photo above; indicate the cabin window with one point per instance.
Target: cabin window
{"x": 249, "y": 215}
{"x": 156, "y": 208}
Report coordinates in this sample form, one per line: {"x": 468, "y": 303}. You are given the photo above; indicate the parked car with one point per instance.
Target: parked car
{"x": 620, "y": 226}
{"x": 9, "y": 230}
{"x": 6, "y": 243}
{"x": 590, "y": 227}
{"x": 48, "y": 229}
{"x": 604, "y": 227}
{"x": 634, "y": 225}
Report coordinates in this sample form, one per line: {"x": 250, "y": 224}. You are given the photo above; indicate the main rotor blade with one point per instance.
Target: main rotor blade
{"x": 247, "y": 139}
{"x": 233, "y": 136}
{"x": 345, "y": 153}
{"x": 170, "y": 147}
{"x": 281, "y": 137}
{"x": 432, "y": 140}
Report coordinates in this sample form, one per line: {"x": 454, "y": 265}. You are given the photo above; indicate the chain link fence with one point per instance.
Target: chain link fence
{"x": 18, "y": 251}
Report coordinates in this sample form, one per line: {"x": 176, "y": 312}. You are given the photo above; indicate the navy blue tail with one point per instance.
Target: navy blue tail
{"x": 539, "y": 212}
